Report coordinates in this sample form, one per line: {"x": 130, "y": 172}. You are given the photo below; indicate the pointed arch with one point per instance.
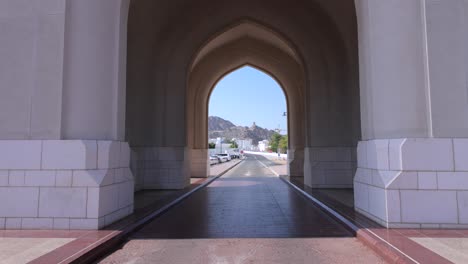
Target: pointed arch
{"x": 245, "y": 44}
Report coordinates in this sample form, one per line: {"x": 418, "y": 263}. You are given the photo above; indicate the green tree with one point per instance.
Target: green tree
{"x": 234, "y": 145}
{"x": 211, "y": 145}
{"x": 283, "y": 144}
{"x": 274, "y": 141}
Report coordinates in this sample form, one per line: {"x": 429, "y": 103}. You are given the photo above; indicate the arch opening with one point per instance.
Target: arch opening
{"x": 227, "y": 52}
{"x": 247, "y": 113}
{"x": 172, "y": 70}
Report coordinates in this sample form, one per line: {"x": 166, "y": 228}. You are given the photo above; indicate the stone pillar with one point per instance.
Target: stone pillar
{"x": 411, "y": 161}
{"x": 161, "y": 167}
{"x": 296, "y": 162}
{"x": 199, "y": 164}
{"x": 330, "y": 167}
{"x": 71, "y": 170}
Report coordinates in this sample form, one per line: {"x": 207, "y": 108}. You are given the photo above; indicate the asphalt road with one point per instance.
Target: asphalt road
{"x": 247, "y": 216}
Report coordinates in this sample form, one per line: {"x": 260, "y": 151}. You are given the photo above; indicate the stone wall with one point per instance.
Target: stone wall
{"x": 64, "y": 184}
{"x": 414, "y": 183}
{"x": 161, "y": 167}
{"x": 330, "y": 167}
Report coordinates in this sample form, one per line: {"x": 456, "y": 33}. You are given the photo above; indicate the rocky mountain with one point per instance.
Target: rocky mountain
{"x": 218, "y": 124}
{"x": 219, "y": 127}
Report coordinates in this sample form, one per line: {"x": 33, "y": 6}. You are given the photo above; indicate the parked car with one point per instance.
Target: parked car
{"x": 214, "y": 160}
{"x": 224, "y": 157}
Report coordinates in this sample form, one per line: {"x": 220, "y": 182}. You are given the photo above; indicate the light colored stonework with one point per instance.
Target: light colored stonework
{"x": 66, "y": 190}
{"x": 412, "y": 182}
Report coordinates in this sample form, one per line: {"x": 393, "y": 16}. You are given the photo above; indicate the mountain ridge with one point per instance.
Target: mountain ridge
{"x": 219, "y": 127}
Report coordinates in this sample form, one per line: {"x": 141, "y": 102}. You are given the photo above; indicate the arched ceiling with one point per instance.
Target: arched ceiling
{"x": 245, "y": 29}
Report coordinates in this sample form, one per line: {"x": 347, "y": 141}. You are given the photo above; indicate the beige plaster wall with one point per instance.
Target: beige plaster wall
{"x": 94, "y": 69}
{"x": 31, "y": 68}
{"x": 447, "y": 42}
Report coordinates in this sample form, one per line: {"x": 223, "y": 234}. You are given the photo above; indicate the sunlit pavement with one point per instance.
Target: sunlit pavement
{"x": 247, "y": 216}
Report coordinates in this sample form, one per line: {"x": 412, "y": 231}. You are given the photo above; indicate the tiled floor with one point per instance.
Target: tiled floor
{"x": 249, "y": 202}
{"x": 247, "y": 216}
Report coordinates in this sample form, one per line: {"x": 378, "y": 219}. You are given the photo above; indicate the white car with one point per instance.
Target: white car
{"x": 224, "y": 157}
{"x": 213, "y": 160}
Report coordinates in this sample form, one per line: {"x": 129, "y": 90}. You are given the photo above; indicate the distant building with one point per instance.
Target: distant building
{"x": 263, "y": 145}
{"x": 245, "y": 144}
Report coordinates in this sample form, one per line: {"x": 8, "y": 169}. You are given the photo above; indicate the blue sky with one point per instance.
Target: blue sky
{"x": 248, "y": 95}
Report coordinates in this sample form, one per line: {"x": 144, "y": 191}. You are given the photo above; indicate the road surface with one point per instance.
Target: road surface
{"x": 247, "y": 216}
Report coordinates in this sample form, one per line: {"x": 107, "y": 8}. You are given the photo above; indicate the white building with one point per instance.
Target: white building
{"x": 263, "y": 145}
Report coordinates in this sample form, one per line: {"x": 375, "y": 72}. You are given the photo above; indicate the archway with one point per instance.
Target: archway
{"x": 227, "y": 52}
{"x": 172, "y": 70}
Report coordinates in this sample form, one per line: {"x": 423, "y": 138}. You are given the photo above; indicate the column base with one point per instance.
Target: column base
{"x": 199, "y": 166}
{"x": 64, "y": 184}
{"x": 329, "y": 167}
{"x": 296, "y": 162}
{"x": 161, "y": 168}
{"x": 413, "y": 183}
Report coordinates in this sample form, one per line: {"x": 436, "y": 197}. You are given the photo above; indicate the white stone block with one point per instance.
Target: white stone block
{"x": 4, "y": 178}
{"x": 383, "y": 178}
{"x": 362, "y": 154}
{"x": 404, "y": 181}
{"x": 108, "y": 199}
{"x": 462, "y": 199}
{"x": 37, "y": 223}
{"x": 61, "y": 223}
{"x": 453, "y": 226}
{"x": 422, "y": 154}
{"x": 430, "y": 226}
{"x": 119, "y": 175}
{"x": 427, "y": 180}
{"x": 93, "y": 178}
{"x": 393, "y": 206}
{"x": 63, "y": 178}
{"x": 2, "y": 223}
{"x": 461, "y": 154}
{"x": 361, "y": 196}
{"x": 40, "y": 178}
{"x": 13, "y": 223}
{"x": 429, "y": 207}
{"x": 377, "y": 154}
{"x": 452, "y": 180}
{"x": 125, "y": 194}
{"x": 69, "y": 154}
{"x": 16, "y": 178}
{"x": 378, "y": 202}
{"x": 92, "y": 208}
{"x": 394, "y": 153}
{"x": 108, "y": 154}
{"x": 62, "y": 202}
{"x": 86, "y": 224}
{"x": 22, "y": 201}
{"x": 20, "y": 155}
{"x": 124, "y": 155}
{"x": 403, "y": 225}
{"x": 363, "y": 176}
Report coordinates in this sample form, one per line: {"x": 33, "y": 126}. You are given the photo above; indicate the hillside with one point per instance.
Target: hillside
{"x": 219, "y": 127}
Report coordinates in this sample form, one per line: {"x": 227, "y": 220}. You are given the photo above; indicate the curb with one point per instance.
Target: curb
{"x": 110, "y": 242}
{"x": 379, "y": 245}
